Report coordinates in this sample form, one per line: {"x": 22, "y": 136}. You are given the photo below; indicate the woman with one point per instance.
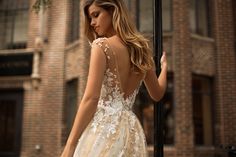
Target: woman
{"x": 120, "y": 61}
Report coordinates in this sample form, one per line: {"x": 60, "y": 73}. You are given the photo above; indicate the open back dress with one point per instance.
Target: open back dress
{"x": 114, "y": 131}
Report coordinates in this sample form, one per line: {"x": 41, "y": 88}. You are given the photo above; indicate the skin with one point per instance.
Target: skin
{"x": 101, "y": 27}
{"x": 101, "y": 21}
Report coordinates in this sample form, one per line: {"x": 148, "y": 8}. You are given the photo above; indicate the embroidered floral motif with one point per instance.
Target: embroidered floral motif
{"x": 113, "y": 109}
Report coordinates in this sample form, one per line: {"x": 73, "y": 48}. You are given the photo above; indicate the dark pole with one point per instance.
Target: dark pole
{"x": 158, "y": 107}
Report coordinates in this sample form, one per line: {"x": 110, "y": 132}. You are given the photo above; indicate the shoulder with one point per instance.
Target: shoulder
{"x": 102, "y": 44}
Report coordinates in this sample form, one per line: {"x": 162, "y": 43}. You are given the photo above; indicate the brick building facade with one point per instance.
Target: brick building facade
{"x": 44, "y": 61}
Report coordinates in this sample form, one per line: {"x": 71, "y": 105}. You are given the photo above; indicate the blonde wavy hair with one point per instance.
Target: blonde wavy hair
{"x": 137, "y": 44}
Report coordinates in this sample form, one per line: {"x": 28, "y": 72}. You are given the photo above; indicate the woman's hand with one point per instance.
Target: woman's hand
{"x": 68, "y": 151}
{"x": 163, "y": 60}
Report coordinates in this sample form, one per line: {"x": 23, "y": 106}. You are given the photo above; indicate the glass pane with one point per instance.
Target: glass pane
{"x": 202, "y": 110}
{"x": 202, "y": 18}
{"x": 2, "y": 4}
{"x": 71, "y": 104}
{"x": 199, "y": 18}
{"x": 74, "y": 23}
{"x": 166, "y": 15}
{"x": 76, "y": 19}
{"x": 9, "y": 27}
{"x": 207, "y": 112}
{"x": 1, "y": 28}
{"x": 10, "y": 5}
{"x": 7, "y": 125}
{"x": 146, "y": 16}
{"x": 20, "y": 27}
{"x": 22, "y": 4}
{"x": 13, "y": 24}
{"x": 169, "y": 127}
{"x": 198, "y": 118}
{"x": 192, "y": 16}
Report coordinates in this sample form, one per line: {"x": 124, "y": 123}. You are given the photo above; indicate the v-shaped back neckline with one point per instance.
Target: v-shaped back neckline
{"x": 125, "y": 95}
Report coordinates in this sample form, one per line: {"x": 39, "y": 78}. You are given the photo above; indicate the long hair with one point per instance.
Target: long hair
{"x": 139, "y": 50}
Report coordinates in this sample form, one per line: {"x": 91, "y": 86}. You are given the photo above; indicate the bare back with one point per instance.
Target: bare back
{"x": 114, "y": 124}
{"x": 128, "y": 79}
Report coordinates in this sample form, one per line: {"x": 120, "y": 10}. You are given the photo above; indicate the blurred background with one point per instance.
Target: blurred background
{"x": 44, "y": 61}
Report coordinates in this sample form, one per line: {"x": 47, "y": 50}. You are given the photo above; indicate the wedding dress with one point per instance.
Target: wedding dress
{"x": 114, "y": 131}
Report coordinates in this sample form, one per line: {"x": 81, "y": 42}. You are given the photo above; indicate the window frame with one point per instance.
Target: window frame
{"x": 210, "y": 93}
{"x": 71, "y": 91}
{"x": 74, "y": 21}
{"x": 13, "y": 10}
{"x": 196, "y": 18}
{"x": 138, "y": 12}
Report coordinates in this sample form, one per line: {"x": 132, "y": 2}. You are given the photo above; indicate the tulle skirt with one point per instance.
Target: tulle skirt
{"x": 117, "y": 134}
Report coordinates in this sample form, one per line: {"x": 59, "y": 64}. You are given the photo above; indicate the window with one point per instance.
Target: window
{"x": 13, "y": 24}
{"x": 146, "y": 15}
{"x": 144, "y": 109}
{"x": 8, "y": 117}
{"x": 11, "y": 111}
{"x": 202, "y": 110}
{"x": 70, "y": 107}
{"x": 169, "y": 127}
{"x": 166, "y": 15}
{"x": 73, "y": 34}
{"x": 199, "y": 17}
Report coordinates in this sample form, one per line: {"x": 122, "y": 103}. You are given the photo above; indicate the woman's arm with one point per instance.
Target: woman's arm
{"x": 89, "y": 102}
{"x": 156, "y": 86}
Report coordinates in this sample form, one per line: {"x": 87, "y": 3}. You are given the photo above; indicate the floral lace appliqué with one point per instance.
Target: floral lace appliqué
{"x": 114, "y": 120}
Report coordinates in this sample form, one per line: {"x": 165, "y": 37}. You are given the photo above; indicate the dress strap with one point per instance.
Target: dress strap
{"x": 112, "y": 66}
{"x": 101, "y": 42}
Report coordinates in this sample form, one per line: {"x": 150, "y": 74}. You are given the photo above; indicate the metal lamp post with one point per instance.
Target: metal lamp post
{"x": 158, "y": 107}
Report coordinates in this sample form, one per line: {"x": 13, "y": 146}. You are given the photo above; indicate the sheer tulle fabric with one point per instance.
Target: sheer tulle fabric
{"x": 114, "y": 130}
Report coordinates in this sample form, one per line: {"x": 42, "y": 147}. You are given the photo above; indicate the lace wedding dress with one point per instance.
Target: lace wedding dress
{"x": 114, "y": 130}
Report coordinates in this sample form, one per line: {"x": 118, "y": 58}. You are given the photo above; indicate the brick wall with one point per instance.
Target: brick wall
{"x": 54, "y": 81}
{"x": 43, "y": 105}
{"x": 60, "y": 62}
{"x": 203, "y": 55}
{"x": 32, "y": 112}
{"x": 225, "y": 84}
{"x": 182, "y": 79}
